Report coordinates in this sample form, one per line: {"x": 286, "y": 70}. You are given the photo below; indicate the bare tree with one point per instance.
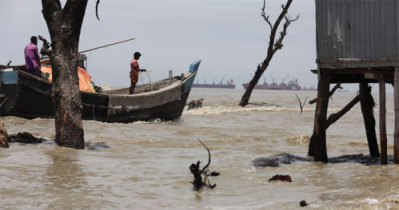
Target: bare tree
{"x": 64, "y": 25}
{"x": 274, "y": 45}
{"x": 300, "y": 103}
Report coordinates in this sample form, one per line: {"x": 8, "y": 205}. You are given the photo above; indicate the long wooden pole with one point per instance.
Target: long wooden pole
{"x": 396, "y": 134}
{"x": 96, "y": 48}
{"x": 383, "y": 130}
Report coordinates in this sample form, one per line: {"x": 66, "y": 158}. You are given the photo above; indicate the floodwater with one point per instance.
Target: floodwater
{"x": 145, "y": 165}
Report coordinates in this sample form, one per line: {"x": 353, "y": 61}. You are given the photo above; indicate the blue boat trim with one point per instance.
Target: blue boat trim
{"x": 9, "y": 77}
{"x": 193, "y": 68}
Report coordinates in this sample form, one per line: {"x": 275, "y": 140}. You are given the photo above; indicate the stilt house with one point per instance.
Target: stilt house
{"x": 357, "y": 42}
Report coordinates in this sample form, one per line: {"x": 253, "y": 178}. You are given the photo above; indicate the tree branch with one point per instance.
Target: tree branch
{"x": 45, "y": 50}
{"x": 209, "y": 157}
{"x": 50, "y": 7}
{"x": 97, "y": 3}
{"x": 338, "y": 85}
{"x": 279, "y": 41}
{"x": 335, "y": 116}
{"x": 266, "y": 17}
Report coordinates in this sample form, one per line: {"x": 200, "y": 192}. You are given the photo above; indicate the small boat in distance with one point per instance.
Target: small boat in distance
{"x": 343, "y": 90}
{"x": 29, "y": 96}
{"x": 228, "y": 85}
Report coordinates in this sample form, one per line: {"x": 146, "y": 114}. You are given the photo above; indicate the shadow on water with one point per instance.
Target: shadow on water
{"x": 96, "y": 146}
{"x": 286, "y": 158}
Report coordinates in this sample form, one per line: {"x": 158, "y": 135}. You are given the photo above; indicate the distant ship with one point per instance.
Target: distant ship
{"x": 341, "y": 90}
{"x": 228, "y": 85}
{"x": 292, "y": 85}
{"x": 311, "y": 88}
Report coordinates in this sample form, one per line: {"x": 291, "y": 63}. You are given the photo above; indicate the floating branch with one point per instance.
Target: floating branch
{"x": 198, "y": 173}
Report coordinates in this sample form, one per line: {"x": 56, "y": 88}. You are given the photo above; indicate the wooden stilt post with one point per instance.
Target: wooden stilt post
{"x": 396, "y": 135}
{"x": 320, "y": 124}
{"x": 383, "y": 130}
{"x": 367, "y": 104}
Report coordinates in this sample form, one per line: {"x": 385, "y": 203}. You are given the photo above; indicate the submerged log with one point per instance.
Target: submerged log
{"x": 303, "y": 203}
{"x": 283, "y": 178}
{"x": 26, "y": 138}
{"x": 284, "y": 158}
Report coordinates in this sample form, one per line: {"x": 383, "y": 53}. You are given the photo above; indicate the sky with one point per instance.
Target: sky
{"x": 230, "y": 37}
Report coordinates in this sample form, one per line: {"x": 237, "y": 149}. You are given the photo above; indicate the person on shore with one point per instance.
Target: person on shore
{"x": 134, "y": 71}
{"x": 32, "y": 58}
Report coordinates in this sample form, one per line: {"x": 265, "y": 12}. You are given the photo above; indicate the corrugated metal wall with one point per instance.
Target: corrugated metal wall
{"x": 357, "y": 29}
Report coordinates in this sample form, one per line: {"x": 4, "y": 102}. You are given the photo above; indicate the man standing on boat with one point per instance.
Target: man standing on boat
{"x": 32, "y": 58}
{"x": 134, "y": 71}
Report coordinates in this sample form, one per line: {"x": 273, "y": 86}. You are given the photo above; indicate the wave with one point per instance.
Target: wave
{"x": 209, "y": 110}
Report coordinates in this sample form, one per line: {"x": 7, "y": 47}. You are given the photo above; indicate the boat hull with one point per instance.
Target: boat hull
{"x": 27, "y": 96}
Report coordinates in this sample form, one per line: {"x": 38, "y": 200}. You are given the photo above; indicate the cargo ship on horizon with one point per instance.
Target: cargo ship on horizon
{"x": 228, "y": 85}
{"x": 292, "y": 85}
{"x": 311, "y": 88}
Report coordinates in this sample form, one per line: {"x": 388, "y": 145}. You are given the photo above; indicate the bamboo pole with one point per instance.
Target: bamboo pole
{"x": 96, "y": 48}
{"x": 383, "y": 130}
{"x": 396, "y": 134}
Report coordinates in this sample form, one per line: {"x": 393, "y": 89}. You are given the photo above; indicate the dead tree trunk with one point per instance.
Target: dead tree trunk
{"x": 367, "y": 104}
{"x": 332, "y": 119}
{"x": 3, "y": 135}
{"x": 64, "y": 25}
{"x": 274, "y": 45}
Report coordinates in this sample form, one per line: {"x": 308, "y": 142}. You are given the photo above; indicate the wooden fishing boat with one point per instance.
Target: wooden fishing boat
{"x": 28, "y": 96}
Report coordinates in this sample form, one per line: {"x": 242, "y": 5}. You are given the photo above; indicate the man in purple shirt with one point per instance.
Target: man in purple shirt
{"x": 32, "y": 58}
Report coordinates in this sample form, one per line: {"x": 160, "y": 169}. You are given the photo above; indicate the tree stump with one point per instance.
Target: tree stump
{"x": 3, "y": 135}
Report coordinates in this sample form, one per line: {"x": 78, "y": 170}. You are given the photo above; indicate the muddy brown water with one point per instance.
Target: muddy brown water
{"x": 145, "y": 165}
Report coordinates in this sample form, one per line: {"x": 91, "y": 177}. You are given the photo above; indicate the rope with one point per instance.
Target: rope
{"x": 147, "y": 86}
